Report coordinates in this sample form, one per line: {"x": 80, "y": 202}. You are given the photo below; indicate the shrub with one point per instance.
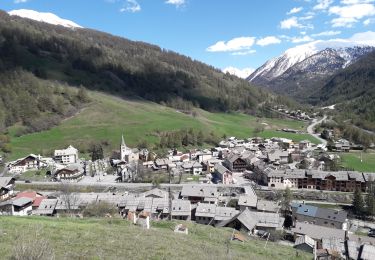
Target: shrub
{"x": 99, "y": 209}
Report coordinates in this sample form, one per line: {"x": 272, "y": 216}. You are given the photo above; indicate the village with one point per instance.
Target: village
{"x": 223, "y": 186}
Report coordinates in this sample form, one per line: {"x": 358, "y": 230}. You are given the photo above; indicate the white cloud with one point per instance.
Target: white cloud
{"x": 241, "y": 73}
{"x": 368, "y": 21}
{"x": 131, "y": 6}
{"x": 323, "y": 4}
{"x": 354, "y": 2}
{"x": 243, "y": 53}
{"x": 348, "y": 15}
{"x": 20, "y": 1}
{"x": 268, "y": 41}
{"x": 307, "y": 17}
{"x": 236, "y": 44}
{"x": 291, "y": 22}
{"x": 295, "y": 10}
{"x": 326, "y": 33}
{"x": 364, "y": 38}
{"x": 177, "y": 3}
{"x": 305, "y": 38}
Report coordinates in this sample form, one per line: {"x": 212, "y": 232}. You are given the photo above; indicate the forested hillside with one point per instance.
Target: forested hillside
{"x": 37, "y": 104}
{"x": 100, "y": 61}
{"x": 353, "y": 90}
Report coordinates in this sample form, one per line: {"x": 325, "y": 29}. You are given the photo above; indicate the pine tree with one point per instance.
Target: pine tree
{"x": 370, "y": 200}
{"x": 286, "y": 200}
{"x": 358, "y": 204}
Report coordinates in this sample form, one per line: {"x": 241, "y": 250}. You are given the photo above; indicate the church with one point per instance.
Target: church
{"x": 127, "y": 154}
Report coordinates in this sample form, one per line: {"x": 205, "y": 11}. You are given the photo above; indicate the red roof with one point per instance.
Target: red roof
{"x": 36, "y": 197}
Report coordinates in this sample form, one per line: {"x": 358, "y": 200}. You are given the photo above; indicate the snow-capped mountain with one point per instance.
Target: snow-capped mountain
{"x": 299, "y": 68}
{"x": 44, "y": 17}
{"x": 241, "y": 73}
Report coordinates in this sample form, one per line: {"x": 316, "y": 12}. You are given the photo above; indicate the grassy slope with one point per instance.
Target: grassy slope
{"x": 108, "y": 117}
{"x": 117, "y": 239}
{"x": 353, "y": 160}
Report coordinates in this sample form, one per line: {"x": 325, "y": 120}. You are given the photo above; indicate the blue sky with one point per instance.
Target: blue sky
{"x": 222, "y": 33}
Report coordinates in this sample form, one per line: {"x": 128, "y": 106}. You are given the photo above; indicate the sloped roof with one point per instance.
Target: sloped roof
{"x": 331, "y": 214}
{"x": 199, "y": 191}
{"x": 46, "y": 207}
{"x": 318, "y": 232}
{"x": 248, "y": 200}
{"x": 248, "y": 219}
{"x": 267, "y": 205}
{"x": 181, "y": 207}
{"x": 205, "y": 210}
{"x": 155, "y": 192}
{"x": 224, "y": 213}
{"x": 20, "y": 202}
{"x": 4, "y": 181}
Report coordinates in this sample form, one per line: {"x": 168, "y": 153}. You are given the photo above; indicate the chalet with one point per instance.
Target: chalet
{"x": 30, "y": 162}
{"x": 63, "y": 206}
{"x": 344, "y": 181}
{"x": 235, "y": 163}
{"x": 305, "y": 243}
{"x": 222, "y": 175}
{"x": 205, "y": 213}
{"x": 341, "y": 145}
{"x": 195, "y": 194}
{"x": 317, "y": 232}
{"x": 192, "y": 167}
{"x": 245, "y": 221}
{"x": 209, "y": 165}
{"x": 224, "y": 214}
{"x": 269, "y": 221}
{"x": 204, "y": 156}
{"x": 46, "y": 208}
{"x": 160, "y": 208}
{"x": 72, "y": 173}
{"x": 319, "y": 216}
{"x": 33, "y": 195}
{"x": 181, "y": 209}
{"x": 6, "y": 187}
{"x": 66, "y": 156}
{"x": 162, "y": 163}
{"x": 278, "y": 157}
{"x": 16, "y": 207}
{"x": 249, "y": 221}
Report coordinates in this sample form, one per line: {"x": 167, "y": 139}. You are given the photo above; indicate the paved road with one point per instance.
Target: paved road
{"x": 321, "y": 202}
{"x": 128, "y": 185}
{"x": 310, "y": 130}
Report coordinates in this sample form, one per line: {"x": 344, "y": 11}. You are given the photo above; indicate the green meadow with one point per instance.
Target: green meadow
{"x": 107, "y": 117}
{"x": 68, "y": 238}
{"x": 353, "y": 160}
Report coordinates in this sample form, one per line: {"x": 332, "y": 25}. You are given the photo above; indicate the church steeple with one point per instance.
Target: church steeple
{"x": 122, "y": 140}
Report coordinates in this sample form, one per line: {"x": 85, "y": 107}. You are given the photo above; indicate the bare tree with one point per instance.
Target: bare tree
{"x": 69, "y": 198}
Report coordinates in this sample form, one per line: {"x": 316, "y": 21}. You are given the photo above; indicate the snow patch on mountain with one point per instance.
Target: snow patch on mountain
{"x": 241, "y": 73}
{"x": 44, "y": 17}
{"x": 348, "y": 49}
